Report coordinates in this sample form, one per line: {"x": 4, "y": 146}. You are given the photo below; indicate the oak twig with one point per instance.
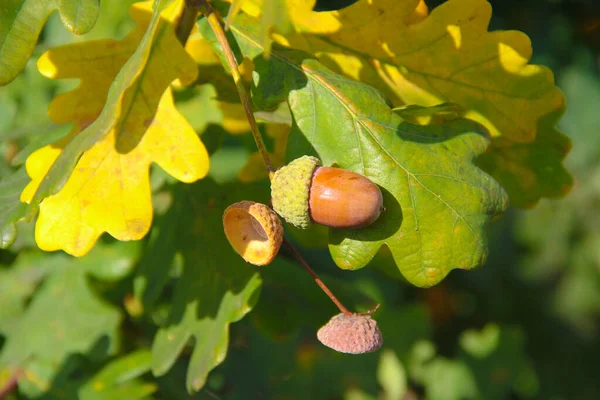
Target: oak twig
{"x": 213, "y": 20}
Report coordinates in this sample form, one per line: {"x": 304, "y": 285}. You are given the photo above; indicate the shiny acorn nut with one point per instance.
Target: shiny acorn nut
{"x": 254, "y": 231}
{"x": 304, "y": 192}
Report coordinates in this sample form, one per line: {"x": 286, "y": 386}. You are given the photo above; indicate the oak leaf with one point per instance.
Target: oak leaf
{"x": 447, "y": 55}
{"x": 112, "y": 145}
{"x": 21, "y": 22}
{"x": 51, "y": 311}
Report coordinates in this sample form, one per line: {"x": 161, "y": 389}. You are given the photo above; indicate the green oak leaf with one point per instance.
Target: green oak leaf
{"x": 216, "y": 286}
{"x": 21, "y": 22}
{"x": 65, "y": 316}
{"x": 438, "y": 202}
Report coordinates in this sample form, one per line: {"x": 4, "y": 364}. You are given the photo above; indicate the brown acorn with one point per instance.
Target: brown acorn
{"x": 304, "y": 192}
{"x": 352, "y": 334}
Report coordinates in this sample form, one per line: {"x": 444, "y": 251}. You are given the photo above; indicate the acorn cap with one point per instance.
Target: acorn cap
{"x": 254, "y": 231}
{"x": 290, "y": 188}
{"x": 352, "y": 334}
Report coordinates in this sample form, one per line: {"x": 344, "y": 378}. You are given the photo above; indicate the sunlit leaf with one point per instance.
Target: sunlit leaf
{"x": 124, "y": 120}
{"x": 232, "y": 114}
{"x": 448, "y": 56}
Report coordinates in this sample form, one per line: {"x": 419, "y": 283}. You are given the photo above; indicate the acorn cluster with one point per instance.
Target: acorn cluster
{"x": 302, "y": 193}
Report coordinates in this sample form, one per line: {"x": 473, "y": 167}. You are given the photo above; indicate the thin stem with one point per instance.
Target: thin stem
{"x": 185, "y": 23}
{"x": 371, "y": 311}
{"x": 319, "y": 282}
{"x": 215, "y": 24}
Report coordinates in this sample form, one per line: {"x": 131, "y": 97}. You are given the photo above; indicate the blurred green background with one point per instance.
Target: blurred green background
{"x": 525, "y": 325}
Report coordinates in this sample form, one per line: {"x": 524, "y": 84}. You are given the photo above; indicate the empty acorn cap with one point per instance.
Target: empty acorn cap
{"x": 254, "y": 231}
{"x": 290, "y": 189}
{"x": 352, "y": 334}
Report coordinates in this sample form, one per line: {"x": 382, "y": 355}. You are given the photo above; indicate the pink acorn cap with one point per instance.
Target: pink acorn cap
{"x": 353, "y": 334}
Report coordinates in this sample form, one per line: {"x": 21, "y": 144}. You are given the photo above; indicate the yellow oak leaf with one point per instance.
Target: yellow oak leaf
{"x": 109, "y": 189}
{"x": 303, "y": 19}
{"x": 448, "y": 56}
